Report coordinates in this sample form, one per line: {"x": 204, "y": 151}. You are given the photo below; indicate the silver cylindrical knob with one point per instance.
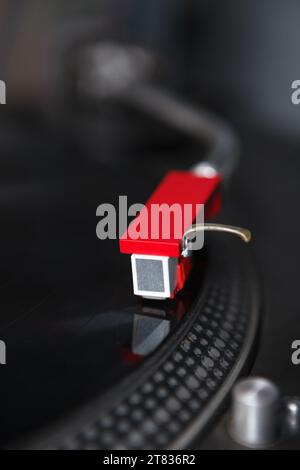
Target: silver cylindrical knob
{"x": 255, "y": 419}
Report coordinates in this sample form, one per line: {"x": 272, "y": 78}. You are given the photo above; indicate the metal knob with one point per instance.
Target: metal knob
{"x": 255, "y": 420}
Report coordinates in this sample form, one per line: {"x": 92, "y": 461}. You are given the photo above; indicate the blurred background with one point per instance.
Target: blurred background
{"x": 240, "y": 56}
{"x": 236, "y": 58}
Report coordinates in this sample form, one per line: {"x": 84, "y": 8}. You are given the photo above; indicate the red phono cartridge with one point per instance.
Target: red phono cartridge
{"x": 157, "y": 238}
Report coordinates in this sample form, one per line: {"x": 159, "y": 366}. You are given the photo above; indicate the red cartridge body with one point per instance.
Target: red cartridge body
{"x": 158, "y": 269}
{"x": 177, "y": 187}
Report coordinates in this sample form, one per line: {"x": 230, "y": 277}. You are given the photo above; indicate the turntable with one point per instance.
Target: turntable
{"x": 209, "y": 360}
